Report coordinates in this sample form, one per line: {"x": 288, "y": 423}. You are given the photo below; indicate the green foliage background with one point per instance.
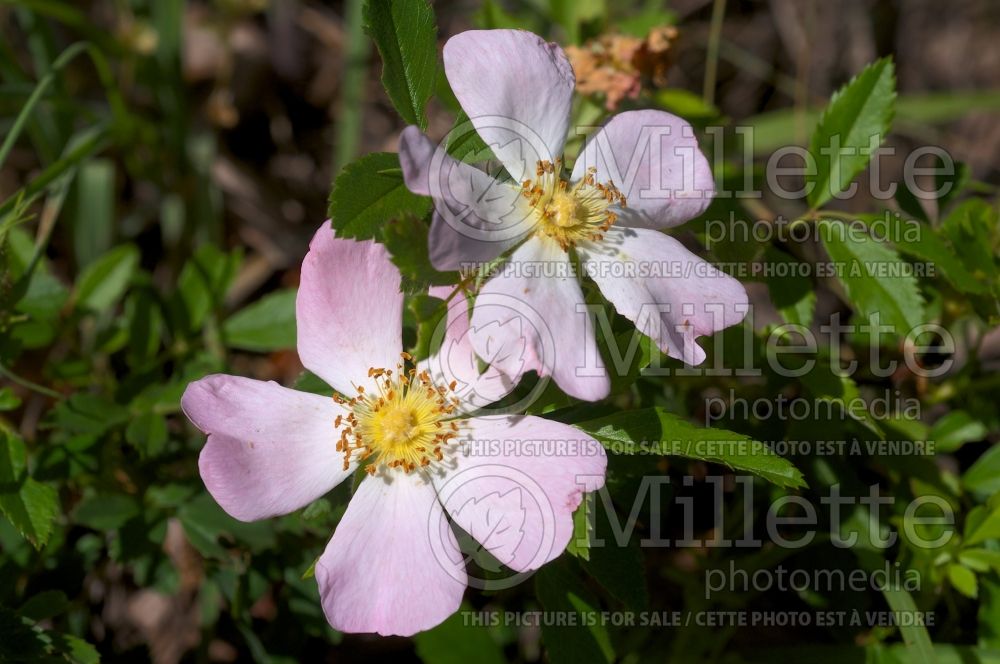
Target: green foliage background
{"x": 123, "y": 279}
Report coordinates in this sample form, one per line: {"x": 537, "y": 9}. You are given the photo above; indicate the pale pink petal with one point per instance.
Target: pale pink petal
{"x": 349, "y": 310}
{"x": 476, "y": 217}
{"x": 393, "y": 564}
{"x": 455, "y": 362}
{"x": 516, "y": 89}
{"x": 670, "y": 294}
{"x": 532, "y": 316}
{"x": 270, "y": 450}
{"x": 654, "y": 159}
{"x": 516, "y": 483}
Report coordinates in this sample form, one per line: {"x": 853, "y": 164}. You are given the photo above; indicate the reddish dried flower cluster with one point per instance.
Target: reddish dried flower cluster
{"x": 616, "y": 66}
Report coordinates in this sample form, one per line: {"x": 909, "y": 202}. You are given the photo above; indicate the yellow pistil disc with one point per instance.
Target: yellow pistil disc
{"x": 404, "y": 424}
{"x": 571, "y": 214}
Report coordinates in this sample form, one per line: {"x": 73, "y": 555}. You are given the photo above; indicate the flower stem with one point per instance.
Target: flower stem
{"x": 712, "y": 57}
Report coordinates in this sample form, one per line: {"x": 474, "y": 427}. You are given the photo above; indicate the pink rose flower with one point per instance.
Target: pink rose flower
{"x": 640, "y": 173}
{"x": 393, "y": 565}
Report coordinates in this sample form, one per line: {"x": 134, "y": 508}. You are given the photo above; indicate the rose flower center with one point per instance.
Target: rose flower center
{"x": 571, "y": 214}
{"x": 403, "y": 424}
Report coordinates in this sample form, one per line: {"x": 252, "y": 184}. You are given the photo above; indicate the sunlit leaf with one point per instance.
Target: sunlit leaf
{"x": 852, "y": 127}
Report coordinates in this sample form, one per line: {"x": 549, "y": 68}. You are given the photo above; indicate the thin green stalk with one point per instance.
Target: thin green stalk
{"x": 41, "y": 126}
{"x": 72, "y": 51}
{"x": 36, "y": 96}
{"x": 352, "y": 90}
{"x": 712, "y": 58}
{"x": 803, "y": 66}
{"x": 87, "y": 147}
{"x": 24, "y": 382}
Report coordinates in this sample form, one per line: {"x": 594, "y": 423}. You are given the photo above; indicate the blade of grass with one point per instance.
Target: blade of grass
{"x": 712, "y": 57}
{"x": 206, "y": 208}
{"x": 29, "y": 106}
{"x": 92, "y": 219}
{"x": 41, "y": 45}
{"x": 67, "y": 56}
{"x": 918, "y": 641}
{"x": 91, "y": 142}
{"x": 40, "y": 127}
{"x": 57, "y": 196}
{"x": 168, "y": 17}
{"x": 353, "y": 88}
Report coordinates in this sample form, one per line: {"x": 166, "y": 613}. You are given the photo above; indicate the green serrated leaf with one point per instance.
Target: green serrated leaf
{"x": 364, "y": 201}
{"x": 656, "y": 431}
{"x": 874, "y": 277}
{"x": 30, "y": 506}
{"x": 267, "y": 324}
{"x": 22, "y": 640}
{"x": 406, "y": 240}
{"x": 77, "y": 650}
{"x": 859, "y": 111}
{"x": 405, "y": 34}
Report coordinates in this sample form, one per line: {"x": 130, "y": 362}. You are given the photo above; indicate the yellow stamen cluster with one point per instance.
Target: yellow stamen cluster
{"x": 402, "y": 425}
{"x": 568, "y": 214}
